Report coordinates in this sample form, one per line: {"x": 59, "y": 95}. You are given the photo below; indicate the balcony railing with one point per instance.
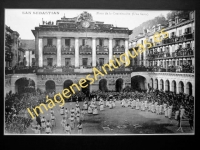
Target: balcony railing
{"x": 102, "y": 50}
{"x": 175, "y": 39}
{"x": 50, "y": 50}
{"x": 85, "y": 50}
{"x": 183, "y": 52}
{"x": 118, "y": 50}
{"x": 188, "y": 36}
{"x": 67, "y": 50}
{"x": 21, "y": 70}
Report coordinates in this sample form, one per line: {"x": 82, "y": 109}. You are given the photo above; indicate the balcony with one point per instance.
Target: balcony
{"x": 102, "y": 50}
{"x": 67, "y": 50}
{"x": 85, "y": 50}
{"x": 49, "y": 50}
{"x": 118, "y": 50}
{"x": 183, "y": 52}
{"x": 20, "y": 70}
{"x": 177, "y": 39}
{"x": 188, "y": 36}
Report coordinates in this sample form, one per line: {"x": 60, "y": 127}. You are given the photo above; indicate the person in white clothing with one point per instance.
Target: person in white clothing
{"x": 80, "y": 128}
{"x": 53, "y": 120}
{"x": 82, "y": 114}
{"x": 170, "y": 112}
{"x": 36, "y": 130}
{"x": 48, "y": 130}
{"x": 62, "y": 111}
{"x": 63, "y": 122}
{"x": 67, "y": 129}
{"x": 95, "y": 111}
{"x": 43, "y": 121}
{"x": 66, "y": 113}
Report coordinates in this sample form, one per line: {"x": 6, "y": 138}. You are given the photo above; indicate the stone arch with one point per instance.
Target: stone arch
{"x": 181, "y": 87}
{"x": 167, "y": 85}
{"x": 103, "y": 85}
{"x": 161, "y": 84}
{"x": 24, "y": 84}
{"x": 138, "y": 82}
{"x": 173, "y": 86}
{"x": 67, "y": 83}
{"x": 189, "y": 88}
{"x": 50, "y": 86}
{"x": 119, "y": 84}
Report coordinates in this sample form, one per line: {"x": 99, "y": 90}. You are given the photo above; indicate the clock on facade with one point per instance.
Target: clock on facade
{"x": 85, "y": 24}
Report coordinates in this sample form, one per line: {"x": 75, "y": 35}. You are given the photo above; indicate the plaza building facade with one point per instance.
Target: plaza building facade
{"x": 170, "y": 62}
{"x": 66, "y": 52}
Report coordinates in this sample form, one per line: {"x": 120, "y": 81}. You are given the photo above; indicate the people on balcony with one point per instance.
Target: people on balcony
{"x": 85, "y": 48}
{"x": 101, "y": 48}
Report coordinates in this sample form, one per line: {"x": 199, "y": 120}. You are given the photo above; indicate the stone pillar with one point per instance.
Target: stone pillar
{"x": 126, "y": 48}
{"x": 110, "y": 49}
{"x": 58, "y": 52}
{"x": 40, "y": 55}
{"x": 158, "y": 84}
{"x": 185, "y": 83}
{"x": 76, "y": 53}
{"x": 93, "y": 52}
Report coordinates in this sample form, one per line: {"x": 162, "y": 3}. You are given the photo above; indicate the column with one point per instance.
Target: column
{"x": 184, "y": 82}
{"x": 158, "y": 84}
{"x": 76, "y": 53}
{"x": 40, "y": 53}
{"x": 110, "y": 49}
{"x": 59, "y": 52}
{"x": 164, "y": 88}
{"x": 126, "y": 49}
{"x": 93, "y": 52}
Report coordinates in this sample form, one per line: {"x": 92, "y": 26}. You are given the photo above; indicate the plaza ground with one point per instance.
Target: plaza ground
{"x": 119, "y": 121}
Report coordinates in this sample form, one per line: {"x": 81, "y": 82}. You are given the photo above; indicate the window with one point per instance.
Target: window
{"x": 83, "y": 42}
{"x": 33, "y": 52}
{"x": 172, "y": 34}
{"x": 180, "y": 32}
{"x": 190, "y": 62}
{"x": 49, "y": 42}
{"x": 101, "y": 42}
{"x": 67, "y": 42}
{"x": 50, "y": 62}
{"x": 85, "y": 61}
{"x": 142, "y": 42}
{"x": 188, "y": 45}
{"x": 117, "y": 42}
{"x": 188, "y": 30}
{"x": 67, "y": 62}
{"x": 101, "y": 61}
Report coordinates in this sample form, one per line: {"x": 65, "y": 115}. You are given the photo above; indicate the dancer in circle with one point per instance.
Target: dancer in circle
{"x": 67, "y": 129}
{"x": 80, "y": 128}
{"x": 63, "y": 122}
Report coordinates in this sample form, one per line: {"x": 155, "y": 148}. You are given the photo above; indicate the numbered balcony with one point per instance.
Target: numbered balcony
{"x": 85, "y": 50}
{"x": 50, "y": 50}
{"x": 102, "y": 50}
{"x": 118, "y": 50}
{"x": 67, "y": 50}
